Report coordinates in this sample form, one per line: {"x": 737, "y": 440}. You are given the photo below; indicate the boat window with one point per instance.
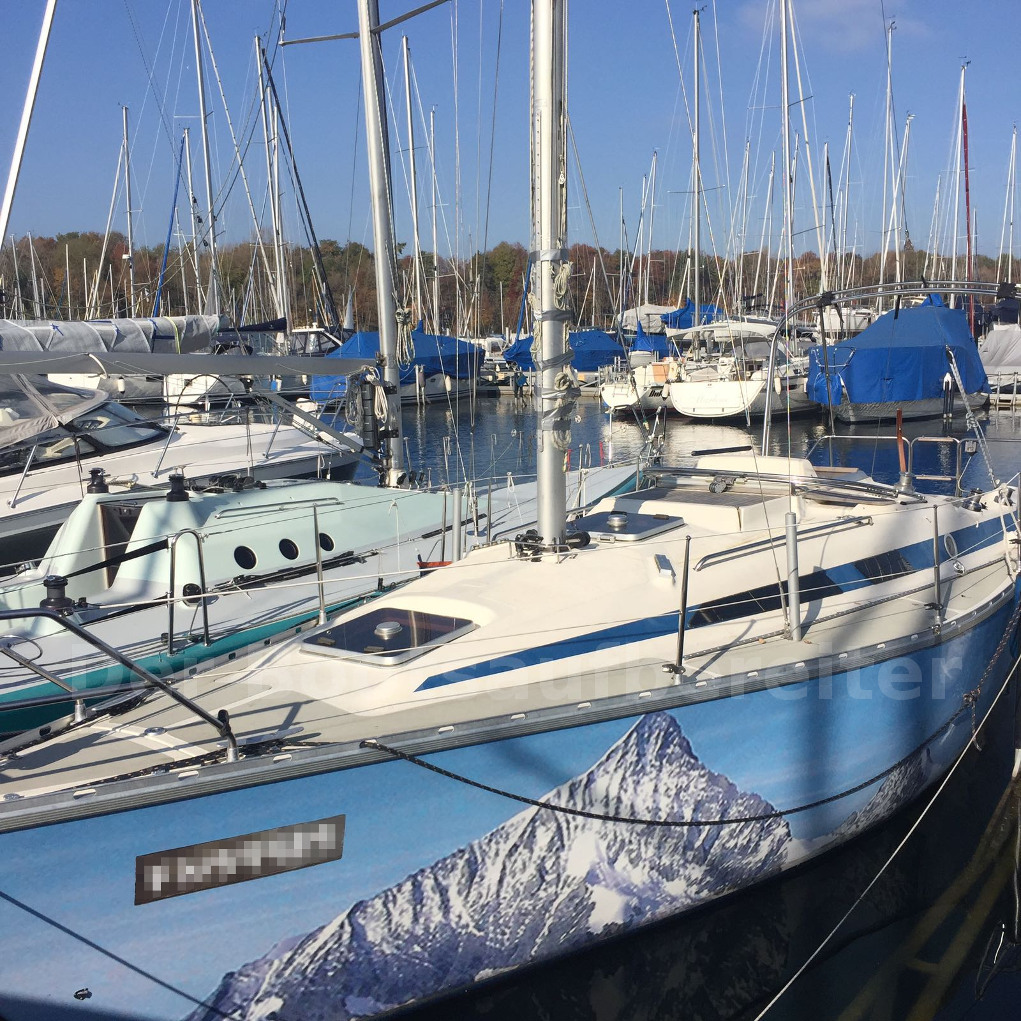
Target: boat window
{"x": 111, "y": 427}
{"x": 884, "y": 566}
{"x": 765, "y": 599}
{"x": 51, "y": 447}
{"x": 326, "y": 542}
{"x": 245, "y": 558}
{"x": 289, "y": 549}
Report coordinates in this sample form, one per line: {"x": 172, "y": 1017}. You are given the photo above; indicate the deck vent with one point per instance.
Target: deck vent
{"x": 387, "y": 636}
{"x": 616, "y": 521}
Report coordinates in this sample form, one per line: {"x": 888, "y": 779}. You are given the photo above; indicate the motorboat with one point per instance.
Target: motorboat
{"x": 57, "y": 441}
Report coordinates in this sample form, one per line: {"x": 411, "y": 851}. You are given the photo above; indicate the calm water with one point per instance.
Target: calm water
{"x": 919, "y": 945}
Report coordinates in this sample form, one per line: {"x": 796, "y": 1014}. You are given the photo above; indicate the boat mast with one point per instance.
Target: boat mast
{"x": 843, "y": 277}
{"x": 957, "y": 174}
{"x": 414, "y": 181}
{"x": 1007, "y": 227}
{"x": 435, "y": 199}
{"x": 696, "y": 186}
{"x": 788, "y": 216}
{"x": 378, "y": 145}
{"x": 212, "y": 302}
{"x": 549, "y": 261}
{"x": 26, "y": 117}
{"x": 127, "y": 199}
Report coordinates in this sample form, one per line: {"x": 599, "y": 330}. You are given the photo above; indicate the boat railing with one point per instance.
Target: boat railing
{"x": 200, "y": 595}
{"x": 748, "y": 548}
{"x": 220, "y": 722}
{"x": 962, "y": 445}
{"x": 875, "y": 491}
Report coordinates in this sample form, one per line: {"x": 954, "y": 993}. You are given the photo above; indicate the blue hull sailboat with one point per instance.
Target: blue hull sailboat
{"x": 595, "y": 725}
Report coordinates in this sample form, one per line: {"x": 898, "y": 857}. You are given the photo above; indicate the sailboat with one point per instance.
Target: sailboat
{"x": 589, "y": 727}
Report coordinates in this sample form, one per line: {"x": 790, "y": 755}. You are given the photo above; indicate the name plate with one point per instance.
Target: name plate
{"x": 237, "y": 859}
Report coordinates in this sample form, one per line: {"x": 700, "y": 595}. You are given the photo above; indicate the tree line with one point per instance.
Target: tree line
{"x": 82, "y": 275}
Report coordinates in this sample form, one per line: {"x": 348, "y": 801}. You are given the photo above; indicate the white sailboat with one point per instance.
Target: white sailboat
{"x": 591, "y": 727}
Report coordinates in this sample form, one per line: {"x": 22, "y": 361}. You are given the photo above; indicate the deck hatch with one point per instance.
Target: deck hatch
{"x": 388, "y": 635}
{"x": 625, "y": 525}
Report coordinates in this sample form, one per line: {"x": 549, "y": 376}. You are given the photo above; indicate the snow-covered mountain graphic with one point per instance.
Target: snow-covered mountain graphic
{"x": 540, "y": 884}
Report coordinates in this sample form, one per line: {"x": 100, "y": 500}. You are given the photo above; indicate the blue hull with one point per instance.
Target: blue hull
{"x": 441, "y": 884}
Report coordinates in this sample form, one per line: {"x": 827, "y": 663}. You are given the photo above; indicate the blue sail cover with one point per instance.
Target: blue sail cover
{"x": 900, "y": 357}
{"x": 682, "y": 318}
{"x": 458, "y": 359}
{"x": 592, "y": 350}
{"x": 653, "y": 342}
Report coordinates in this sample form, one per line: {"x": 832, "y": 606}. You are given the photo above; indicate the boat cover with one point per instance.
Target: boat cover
{"x": 459, "y": 359}
{"x": 1001, "y": 348}
{"x": 31, "y": 405}
{"x": 592, "y": 350}
{"x": 682, "y": 318}
{"x": 651, "y": 342}
{"x": 902, "y": 356}
{"x": 159, "y": 335}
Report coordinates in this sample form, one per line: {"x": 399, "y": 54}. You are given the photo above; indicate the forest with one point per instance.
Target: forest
{"x": 82, "y": 275}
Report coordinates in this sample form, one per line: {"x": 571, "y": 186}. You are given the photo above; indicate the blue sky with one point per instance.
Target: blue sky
{"x": 626, "y": 102}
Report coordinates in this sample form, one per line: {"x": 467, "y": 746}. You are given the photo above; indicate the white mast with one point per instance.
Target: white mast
{"x": 436, "y": 251}
{"x": 127, "y": 199}
{"x": 26, "y": 117}
{"x": 550, "y": 266}
{"x": 788, "y": 169}
{"x": 378, "y": 145}
{"x": 957, "y": 175}
{"x": 845, "y": 259}
{"x": 270, "y": 136}
{"x": 414, "y": 180}
{"x": 192, "y": 202}
{"x": 212, "y": 302}
{"x": 1007, "y": 227}
{"x": 696, "y": 188}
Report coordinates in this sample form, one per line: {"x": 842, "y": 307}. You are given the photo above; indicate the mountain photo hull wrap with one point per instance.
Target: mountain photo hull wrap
{"x": 442, "y": 885}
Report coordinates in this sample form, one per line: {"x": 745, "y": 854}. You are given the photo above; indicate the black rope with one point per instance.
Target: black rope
{"x": 969, "y": 700}
{"x": 122, "y": 558}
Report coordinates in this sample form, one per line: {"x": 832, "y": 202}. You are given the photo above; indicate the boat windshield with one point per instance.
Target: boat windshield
{"x": 100, "y": 426}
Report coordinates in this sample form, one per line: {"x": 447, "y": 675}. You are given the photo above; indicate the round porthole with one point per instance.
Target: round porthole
{"x": 951, "y": 544}
{"x": 244, "y": 557}
{"x": 289, "y": 548}
{"x": 325, "y": 542}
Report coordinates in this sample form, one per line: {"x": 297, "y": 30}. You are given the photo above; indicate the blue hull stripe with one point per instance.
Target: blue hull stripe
{"x": 847, "y": 577}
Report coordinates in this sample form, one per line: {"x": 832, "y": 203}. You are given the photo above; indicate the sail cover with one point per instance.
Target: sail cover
{"x": 459, "y": 359}
{"x": 158, "y": 335}
{"x": 902, "y": 356}
{"x": 592, "y": 350}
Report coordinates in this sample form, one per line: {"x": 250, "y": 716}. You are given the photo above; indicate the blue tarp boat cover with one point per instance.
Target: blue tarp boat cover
{"x": 654, "y": 342}
{"x": 458, "y": 359}
{"x": 592, "y": 350}
{"x": 900, "y": 357}
{"x": 682, "y": 318}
